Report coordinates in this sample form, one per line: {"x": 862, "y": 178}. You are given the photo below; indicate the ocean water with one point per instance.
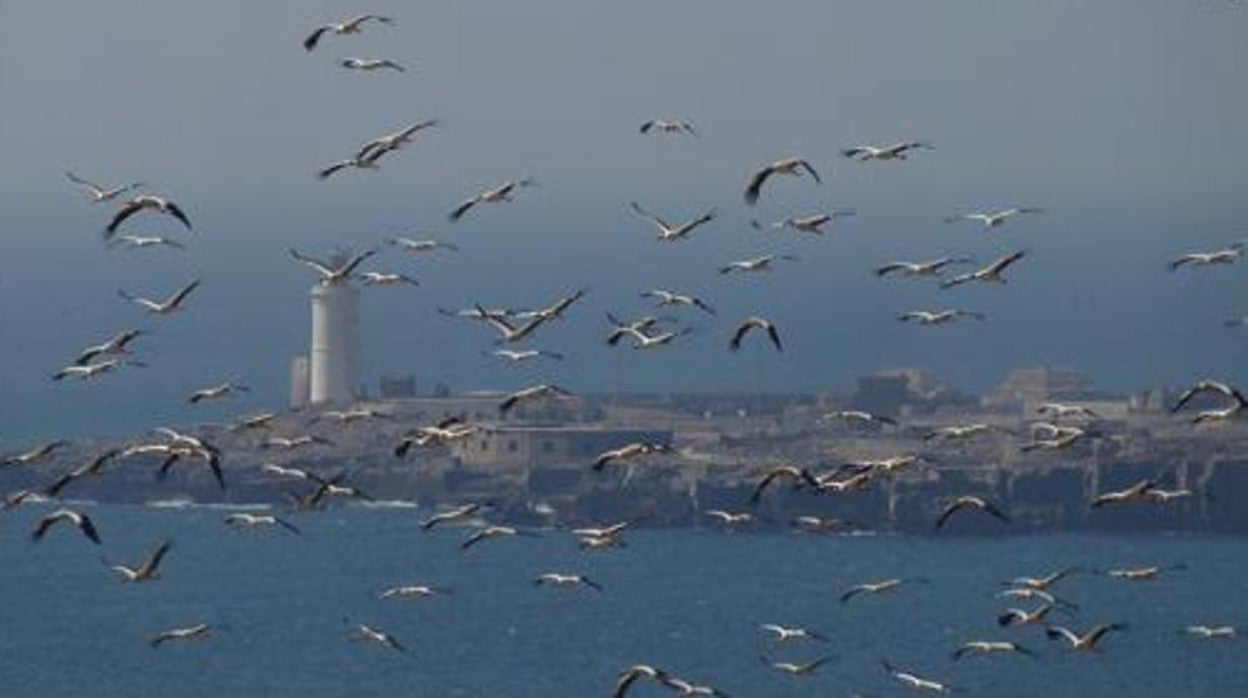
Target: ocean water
{"x": 687, "y": 600}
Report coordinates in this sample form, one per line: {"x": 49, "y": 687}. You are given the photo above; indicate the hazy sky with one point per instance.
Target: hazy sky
{"x": 1124, "y": 119}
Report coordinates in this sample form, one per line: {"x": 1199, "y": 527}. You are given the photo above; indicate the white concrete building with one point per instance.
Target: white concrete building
{"x": 334, "y": 362}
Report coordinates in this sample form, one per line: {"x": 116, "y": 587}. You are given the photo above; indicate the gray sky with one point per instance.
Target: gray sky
{"x": 1123, "y": 119}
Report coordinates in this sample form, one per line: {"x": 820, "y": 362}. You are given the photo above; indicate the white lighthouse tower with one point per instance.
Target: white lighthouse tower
{"x": 334, "y": 364}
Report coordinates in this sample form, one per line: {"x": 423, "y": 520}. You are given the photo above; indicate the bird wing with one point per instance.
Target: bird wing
{"x": 128, "y": 209}
{"x": 739, "y": 334}
{"x": 310, "y": 42}
{"x": 775, "y": 336}
{"x": 998, "y": 266}
{"x": 810, "y": 169}
{"x": 462, "y": 209}
{"x": 311, "y": 262}
{"x": 653, "y": 218}
{"x": 355, "y": 262}
{"x": 153, "y": 561}
{"x": 756, "y": 184}
{"x": 949, "y": 511}
{"x": 177, "y": 212}
{"x": 177, "y": 298}
{"x": 1054, "y": 632}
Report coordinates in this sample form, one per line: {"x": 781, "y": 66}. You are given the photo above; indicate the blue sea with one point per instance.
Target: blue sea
{"x": 687, "y": 600}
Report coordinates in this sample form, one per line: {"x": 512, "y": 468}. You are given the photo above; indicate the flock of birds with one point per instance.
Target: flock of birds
{"x": 1068, "y": 424}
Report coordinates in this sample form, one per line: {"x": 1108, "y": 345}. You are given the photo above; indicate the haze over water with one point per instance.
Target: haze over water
{"x": 1122, "y": 119}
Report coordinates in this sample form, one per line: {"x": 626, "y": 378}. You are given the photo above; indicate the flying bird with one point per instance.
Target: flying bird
{"x": 894, "y": 151}
{"x": 146, "y": 571}
{"x": 244, "y": 520}
{"x": 668, "y": 126}
{"x": 781, "y": 633}
{"x": 1210, "y": 631}
{"x": 1238, "y": 402}
{"x": 375, "y": 148}
{"x": 630, "y": 676}
{"x": 170, "y": 305}
{"x": 633, "y": 450}
{"x": 373, "y": 636}
{"x": 92, "y": 370}
{"x": 217, "y": 391}
{"x": 92, "y": 468}
{"x": 664, "y": 298}
{"x": 881, "y": 587}
{"x": 938, "y": 317}
{"x": 1015, "y": 616}
{"x": 191, "y": 632}
{"x": 97, "y": 193}
{"x": 789, "y": 166}
{"x": 518, "y": 356}
{"x": 67, "y": 516}
{"x": 968, "y": 503}
{"x": 755, "y": 264}
{"x": 989, "y": 274}
{"x": 555, "y": 579}
{"x": 350, "y": 26}
{"x": 116, "y": 345}
{"x": 930, "y": 268}
{"x": 1226, "y": 255}
{"x": 376, "y": 278}
{"x": 145, "y": 202}
{"x": 797, "y": 668}
{"x": 489, "y": 533}
{"x": 667, "y": 231}
{"x": 331, "y": 275}
{"x": 411, "y": 592}
{"x": 138, "y": 241}
{"x": 410, "y": 245}
{"x": 35, "y": 455}
{"x": 536, "y": 392}
{"x": 1086, "y": 642}
{"x": 914, "y": 681}
{"x": 858, "y": 417}
{"x": 994, "y": 219}
{"x": 812, "y": 224}
{"x": 798, "y": 476}
{"x": 370, "y": 64}
{"x": 458, "y": 514}
{"x": 503, "y": 193}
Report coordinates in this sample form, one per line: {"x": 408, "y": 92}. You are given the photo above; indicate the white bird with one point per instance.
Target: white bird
{"x": 556, "y": 579}
{"x": 217, "y": 391}
{"x": 1238, "y": 402}
{"x": 967, "y": 503}
{"x": 894, "y": 151}
{"x": 350, "y": 26}
{"x": 798, "y": 476}
{"x": 668, "y": 126}
{"x": 858, "y": 417}
{"x": 636, "y": 449}
{"x": 615, "y": 530}
{"x": 820, "y": 524}
{"x": 170, "y": 305}
{"x": 116, "y": 345}
{"x": 782, "y": 634}
{"x": 1061, "y": 410}
{"x": 755, "y": 264}
{"x": 928, "y": 268}
{"x": 789, "y": 166}
{"x": 1045, "y": 582}
{"x": 413, "y": 591}
{"x": 938, "y": 317}
{"x": 191, "y": 632}
{"x": 536, "y": 392}
{"x": 99, "y": 193}
{"x": 371, "y": 635}
{"x": 1226, "y": 255}
{"x": 518, "y": 356}
{"x": 1015, "y": 616}
{"x": 410, "y": 245}
{"x": 1210, "y": 631}
{"x": 463, "y": 512}
{"x": 1087, "y": 641}
{"x": 67, "y": 516}
{"x": 351, "y": 416}
{"x": 509, "y": 332}
{"x": 914, "y": 681}
{"x": 989, "y": 274}
{"x": 811, "y": 224}
{"x": 667, "y": 231}
{"x": 503, "y": 193}
{"x": 687, "y": 688}
{"x": 284, "y": 443}
{"x": 264, "y": 420}
{"x": 643, "y": 340}
{"x": 371, "y": 150}
{"x": 35, "y": 455}
{"x": 880, "y": 587}
{"x": 92, "y": 468}
{"x": 88, "y": 371}
{"x": 728, "y": 518}
{"x": 146, "y": 571}
{"x": 635, "y": 328}
{"x": 631, "y": 676}
{"x": 961, "y": 432}
{"x": 664, "y": 298}
{"x": 137, "y": 241}
{"x": 1142, "y": 574}
{"x": 368, "y": 161}
{"x": 331, "y": 275}
{"x": 376, "y": 278}
{"x": 243, "y": 519}
{"x": 370, "y": 64}
{"x": 994, "y": 219}
{"x": 797, "y": 668}
{"x": 489, "y": 533}
{"x": 145, "y": 202}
